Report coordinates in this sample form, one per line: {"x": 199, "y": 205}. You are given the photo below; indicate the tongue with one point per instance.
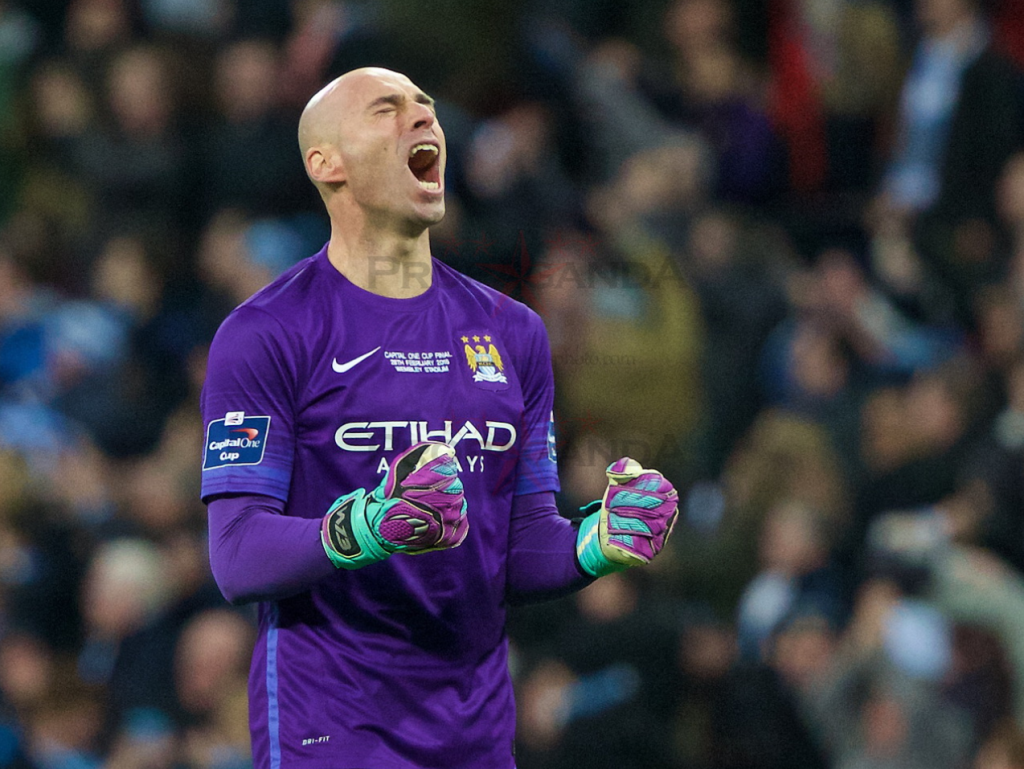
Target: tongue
{"x": 421, "y": 161}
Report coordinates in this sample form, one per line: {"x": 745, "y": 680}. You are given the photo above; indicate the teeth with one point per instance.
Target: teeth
{"x": 429, "y": 185}
{"x": 421, "y": 148}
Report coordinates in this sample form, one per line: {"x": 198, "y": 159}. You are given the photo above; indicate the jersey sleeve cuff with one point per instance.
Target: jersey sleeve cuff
{"x": 270, "y": 482}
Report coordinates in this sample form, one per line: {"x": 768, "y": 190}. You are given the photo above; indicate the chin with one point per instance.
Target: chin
{"x": 418, "y": 221}
{"x": 433, "y": 214}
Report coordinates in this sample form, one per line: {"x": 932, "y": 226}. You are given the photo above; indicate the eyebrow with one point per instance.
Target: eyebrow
{"x": 397, "y": 99}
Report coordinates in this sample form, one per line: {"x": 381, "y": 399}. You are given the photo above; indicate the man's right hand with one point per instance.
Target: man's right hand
{"x": 419, "y": 506}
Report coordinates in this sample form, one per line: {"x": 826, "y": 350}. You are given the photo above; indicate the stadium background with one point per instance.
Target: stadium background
{"x": 779, "y": 248}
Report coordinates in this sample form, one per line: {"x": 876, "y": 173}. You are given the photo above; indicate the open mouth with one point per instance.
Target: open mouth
{"x": 423, "y": 162}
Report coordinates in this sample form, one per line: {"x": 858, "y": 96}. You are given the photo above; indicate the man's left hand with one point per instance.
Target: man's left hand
{"x": 631, "y": 523}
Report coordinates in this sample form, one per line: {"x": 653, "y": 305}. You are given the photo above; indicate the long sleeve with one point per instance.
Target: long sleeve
{"x": 258, "y": 554}
{"x": 542, "y": 551}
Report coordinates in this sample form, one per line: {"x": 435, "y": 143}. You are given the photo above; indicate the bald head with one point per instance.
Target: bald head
{"x": 321, "y": 119}
{"x": 358, "y": 138}
{"x": 313, "y": 122}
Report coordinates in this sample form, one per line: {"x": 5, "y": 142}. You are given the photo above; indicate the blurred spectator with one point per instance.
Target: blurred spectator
{"x": 991, "y": 487}
{"x": 803, "y": 649}
{"x": 1010, "y": 199}
{"x": 876, "y": 706}
{"x": 135, "y": 164}
{"x": 117, "y": 366}
{"x": 517, "y": 192}
{"x": 980, "y": 680}
{"x": 782, "y": 459}
{"x": 635, "y": 302}
{"x": 838, "y": 293}
{"x": 1000, "y": 324}
{"x": 960, "y": 120}
{"x": 28, "y": 674}
{"x": 123, "y": 591}
{"x": 317, "y": 27}
{"x": 19, "y": 37}
{"x": 195, "y": 18}
{"x": 247, "y": 91}
{"x": 786, "y": 458}
{"x": 706, "y": 653}
{"x": 618, "y": 675}
{"x": 1004, "y": 749}
{"x": 619, "y": 121}
{"x": 22, "y": 306}
{"x": 757, "y": 724}
{"x": 40, "y": 571}
{"x": 143, "y": 676}
{"x": 835, "y": 68}
{"x": 915, "y": 440}
{"x": 657, "y": 191}
{"x": 93, "y": 30}
{"x": 63, "y": 732}
{"x": 79, "y": 483}
{"x": 212, "y": 656}
{"x": 709, "y": 89}
{"x": 796, "y": 578}
{"x": 229, "y": 272}
{"x": 146, "y": 741}
{"x": 952, "y": 66}
{"x": 737, "y": 281}
{"x": 971, "y": 588}
{"x": 61, "y": 115}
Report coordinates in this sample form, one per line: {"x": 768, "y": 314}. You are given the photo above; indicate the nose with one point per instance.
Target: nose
{"x": 422, "y": 116}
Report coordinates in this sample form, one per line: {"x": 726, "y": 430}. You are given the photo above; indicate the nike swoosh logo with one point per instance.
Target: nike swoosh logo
{"x": 341, "y": 368}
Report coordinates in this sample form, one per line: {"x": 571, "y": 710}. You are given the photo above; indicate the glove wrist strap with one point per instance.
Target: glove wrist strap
{"x": 346, "y": 534}
{"x": 588, "y": 547}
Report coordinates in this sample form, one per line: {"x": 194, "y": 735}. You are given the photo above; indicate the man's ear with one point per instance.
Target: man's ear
{"x": 325, "y": 166}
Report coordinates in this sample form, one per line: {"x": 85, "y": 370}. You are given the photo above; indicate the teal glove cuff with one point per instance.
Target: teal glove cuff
{"x": 588, "y": 545}
{"x": 347, "y": 534}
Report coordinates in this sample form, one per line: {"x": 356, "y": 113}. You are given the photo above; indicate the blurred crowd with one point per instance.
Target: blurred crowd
{"x": 779, "y": 249}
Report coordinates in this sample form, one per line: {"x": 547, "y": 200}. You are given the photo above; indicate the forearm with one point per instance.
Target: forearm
{"x": 542, "y": 551}
{"x": 258, "y": 554}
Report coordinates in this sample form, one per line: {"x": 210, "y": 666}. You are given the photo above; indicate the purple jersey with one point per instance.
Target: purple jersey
{"x": 313, "y": 386}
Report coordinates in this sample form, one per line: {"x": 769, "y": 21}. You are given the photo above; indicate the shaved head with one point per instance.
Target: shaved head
{"x": 321, "y": 117}
{"x": 313, "y": 126}
{"x": 370, "y": 142}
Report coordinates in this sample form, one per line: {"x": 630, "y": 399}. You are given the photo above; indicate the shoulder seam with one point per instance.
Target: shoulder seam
{"x": 284, "y": 330}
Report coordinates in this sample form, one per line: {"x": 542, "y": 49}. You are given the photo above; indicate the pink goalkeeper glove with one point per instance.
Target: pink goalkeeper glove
{"x": 419, "y": 506}
{"x": 631, "y": 524}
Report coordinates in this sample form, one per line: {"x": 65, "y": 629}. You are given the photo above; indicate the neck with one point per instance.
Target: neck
{"x": 380, "y": 259}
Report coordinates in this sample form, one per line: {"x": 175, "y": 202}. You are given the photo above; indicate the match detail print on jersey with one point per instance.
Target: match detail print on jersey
{"x": 419, "y": 361}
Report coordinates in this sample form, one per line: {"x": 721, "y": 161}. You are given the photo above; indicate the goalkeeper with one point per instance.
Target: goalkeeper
{"x": 379, "y": 468}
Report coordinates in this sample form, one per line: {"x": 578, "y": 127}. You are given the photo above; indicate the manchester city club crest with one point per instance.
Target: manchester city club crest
{"x": 484, "y": 359}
